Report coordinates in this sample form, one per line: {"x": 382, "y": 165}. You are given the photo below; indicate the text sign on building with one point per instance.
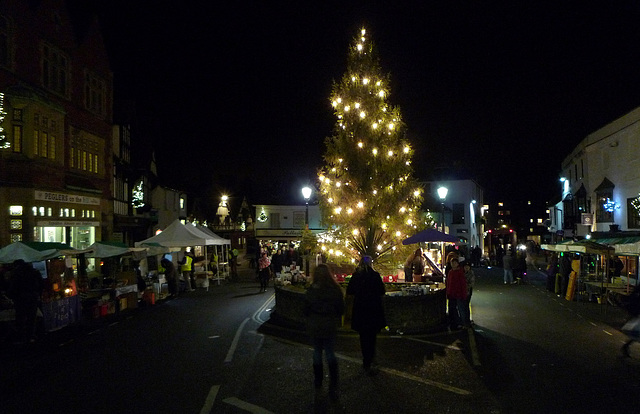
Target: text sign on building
{"x": 67, "y": 223}
{"x": 66, "y": 198}
{"x": 278, "y": 233}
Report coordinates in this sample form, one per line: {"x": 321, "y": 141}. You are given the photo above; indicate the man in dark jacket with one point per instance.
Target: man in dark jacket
{"x": 368, "y": 313}
{"x": 26, "y": 292}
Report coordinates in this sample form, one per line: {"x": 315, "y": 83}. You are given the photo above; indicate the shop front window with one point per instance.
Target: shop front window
{"x": 50, "y": 234}
{"x": 82, "y": 237}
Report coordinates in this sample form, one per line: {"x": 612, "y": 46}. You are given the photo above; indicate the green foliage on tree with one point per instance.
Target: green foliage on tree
{"x": 368, "y": 196}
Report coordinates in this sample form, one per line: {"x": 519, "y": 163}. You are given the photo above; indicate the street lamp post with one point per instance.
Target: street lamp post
{"x": 442, "y": 193}
{"x": 306, "y": 193}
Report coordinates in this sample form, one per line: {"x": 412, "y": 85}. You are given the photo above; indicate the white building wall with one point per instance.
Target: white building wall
{"x": 463, "y": 192}
{"x": 612, "y": 152}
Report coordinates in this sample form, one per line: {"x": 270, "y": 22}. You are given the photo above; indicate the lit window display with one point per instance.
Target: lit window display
{"x": 15, "y": 210}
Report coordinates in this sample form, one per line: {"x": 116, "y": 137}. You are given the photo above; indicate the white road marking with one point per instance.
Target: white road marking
{"x": 211, "y": 398}
{"x": 257, "y": 316}
{"x": 234, "y": 344}
{"x": 246, "y": 406}
{"x": 391, "y": 371}
{"x": 455, "y": 348}
{"x": 214, "y": 337}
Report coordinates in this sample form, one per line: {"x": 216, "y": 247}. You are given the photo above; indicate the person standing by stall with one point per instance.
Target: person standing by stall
{"x": 368, "y": 318}
{"x": 264, "y": 270}
{"x": 470, "y": 277}
{"x": 171, "y": 275}
{"x": 507, "y": 267}
{"x": 324, "y": 305}
{"x": 186, "y": 268}
{"x": 456, "y": 286}
{"x": 418, "y": 265}
{"x": 277, "y": 260}
{"x": 26, "y": 291}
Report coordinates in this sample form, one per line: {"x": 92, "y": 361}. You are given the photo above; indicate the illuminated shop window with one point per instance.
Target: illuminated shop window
{"x": 44, "y": 145}
{"x": 52, "y": 147}
{"x": 93, "y": 214}
{"x": 16, "y": 224}
{"x": 66, "y": 212}
{"x": 15, "y": 210}
{"x": 36, "y": 142}
{"x": 16, "y": 237}
{"x": 73, "y": 212}
{"x": 34, "y": 210}
{"x": 41, "y": 210}
{"x": 17, "y": 138}
{"x": 49, "y": 212}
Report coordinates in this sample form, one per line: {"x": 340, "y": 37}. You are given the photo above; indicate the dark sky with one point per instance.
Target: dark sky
{"x": 237, "y": 94}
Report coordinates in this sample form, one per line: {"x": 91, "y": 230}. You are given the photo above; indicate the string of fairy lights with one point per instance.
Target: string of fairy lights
{"x": 367, "y": 193}
{"x": 4, "y": 143}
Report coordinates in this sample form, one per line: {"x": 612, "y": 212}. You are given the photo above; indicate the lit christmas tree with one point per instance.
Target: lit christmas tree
{"x": 368, "y": 196}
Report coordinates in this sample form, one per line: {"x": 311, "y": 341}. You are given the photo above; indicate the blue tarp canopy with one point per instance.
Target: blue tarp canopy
{"x": 430, "y": 236}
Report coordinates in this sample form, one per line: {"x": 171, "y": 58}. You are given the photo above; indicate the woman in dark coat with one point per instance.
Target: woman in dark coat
{"x": 368, "y": 313}
{"x": 324, "y": 305}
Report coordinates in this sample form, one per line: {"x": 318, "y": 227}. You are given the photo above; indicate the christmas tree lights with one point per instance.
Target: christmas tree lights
{"x": 368, "y": 195}
{"x": 4, "y": 143}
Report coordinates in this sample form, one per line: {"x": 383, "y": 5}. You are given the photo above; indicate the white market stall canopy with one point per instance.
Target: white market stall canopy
{"x": 182, "y": 235}
{"x": 208, "y": 231}
{"x": 35, "y": 251}
{"x": 103, "y": 249}
{"x": 582, "y": 246}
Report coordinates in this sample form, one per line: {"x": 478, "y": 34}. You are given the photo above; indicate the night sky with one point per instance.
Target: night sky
{"x": 235, "y": 97}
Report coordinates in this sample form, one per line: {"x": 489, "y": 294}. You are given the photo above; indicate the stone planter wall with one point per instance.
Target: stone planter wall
{"x": 404, "y": 314}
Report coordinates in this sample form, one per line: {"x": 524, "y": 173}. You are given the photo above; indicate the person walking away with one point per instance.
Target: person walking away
{"x": 470, "y": 278}
{"x": 171, "y": 275}
{"x": 264, "y": 270}
{"x": 632, "y": 327}
{"x": 324, "y": 305}
{"x": 520, "y": 267}
{"x": 26, "y": 292}
{"x": 233, "y": 264}
{"x": 507, "y": 266}
{"x": 456, "y": 287}
{"x": 368, "y": 318}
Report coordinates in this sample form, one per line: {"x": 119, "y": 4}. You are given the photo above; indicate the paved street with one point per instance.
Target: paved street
{"x": 216, "y": 352}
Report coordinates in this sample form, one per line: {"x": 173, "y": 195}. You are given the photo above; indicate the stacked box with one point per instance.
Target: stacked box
{"x": 132, "y": 300}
